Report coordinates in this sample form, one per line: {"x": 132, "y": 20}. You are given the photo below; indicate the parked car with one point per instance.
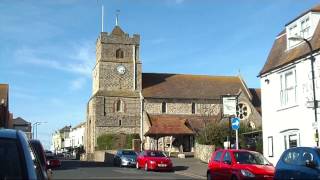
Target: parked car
{"x": 125, "y": 158}
{"x": 299, "y": 163}
{"x": 53, "y": 162}
{"x": 39, "y": 152}
{"x": 153, "y": 160}
{"x": 15, "y": 156}
{"x": 239, "y": 164}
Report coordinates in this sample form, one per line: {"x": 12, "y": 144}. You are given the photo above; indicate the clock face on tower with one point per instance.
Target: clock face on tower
{"x": 121, "y": 69}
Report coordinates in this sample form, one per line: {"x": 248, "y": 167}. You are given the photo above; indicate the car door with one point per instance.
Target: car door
{"x": 226, "y": 166}
{"x": 140, "y": 159}
{"x": 309, "y": 171}
{"x": 289, "y": 165}
{"x": 215, "y": 165}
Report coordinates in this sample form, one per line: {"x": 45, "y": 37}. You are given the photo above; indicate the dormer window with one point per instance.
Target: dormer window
{"x": 305, "y": 28}
{"x": 119, "y": 53}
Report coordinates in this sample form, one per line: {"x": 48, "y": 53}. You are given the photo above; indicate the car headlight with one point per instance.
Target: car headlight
{"x": 152, "y": 162}
{"x": 124, "y": 159}
{"x": 247, "y": 173}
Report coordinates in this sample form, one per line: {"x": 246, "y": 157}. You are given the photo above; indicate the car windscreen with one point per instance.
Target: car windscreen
{"x": 250, "y": 158}
{"x": 129, "y": 153}
{"x": 155, "y": 154}
{"x": 10, "y": 160}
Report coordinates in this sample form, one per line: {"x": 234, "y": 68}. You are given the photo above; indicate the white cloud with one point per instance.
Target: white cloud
{"x": 77, "y": 83}
{"x": 77, "y": 59}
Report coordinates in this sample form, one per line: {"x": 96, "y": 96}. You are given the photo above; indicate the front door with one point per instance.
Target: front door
{"x": 186, "y": 143}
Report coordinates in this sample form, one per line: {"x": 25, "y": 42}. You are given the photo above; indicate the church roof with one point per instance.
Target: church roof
{"x": 279, "y": 55}
{"x": 117, "y": 31}
{"x": 184, "y": 86}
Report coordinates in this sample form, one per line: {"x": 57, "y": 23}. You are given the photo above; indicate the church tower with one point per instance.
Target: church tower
{"x": 115, "y": 105}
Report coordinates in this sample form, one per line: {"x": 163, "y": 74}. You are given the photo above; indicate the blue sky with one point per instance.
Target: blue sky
{"x": 47, "y": 48}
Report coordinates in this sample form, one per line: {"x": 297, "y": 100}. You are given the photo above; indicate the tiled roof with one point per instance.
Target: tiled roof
{"x": 256, "y": 98}
{"x": 117, "y": 31}
{"x": 167, "y": 125}
{"x": 20, "y": 121}
{"x": 189, "y": 86}
{"x": 279, "y": 56}
{"x": 4, "y": 88}
{"x": 314, "y": 9}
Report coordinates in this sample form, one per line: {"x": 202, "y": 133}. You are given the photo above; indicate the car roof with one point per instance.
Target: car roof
{"x": 236, "y": 150}
{"x": 8, "y": 133}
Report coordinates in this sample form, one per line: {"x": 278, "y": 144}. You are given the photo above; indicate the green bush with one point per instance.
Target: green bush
{"x": 115, "y": 141}
{"x": 213, "y": 134}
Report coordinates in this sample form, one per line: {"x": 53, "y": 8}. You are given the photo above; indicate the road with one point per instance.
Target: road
{"x": 94, "y": 170}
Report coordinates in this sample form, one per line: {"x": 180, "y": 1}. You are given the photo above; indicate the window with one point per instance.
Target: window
{"x": 218, "y": 156}
{"x": 120, "y": 122}
{"x": 293, "y": 140}
{"x": 270, "y": 146}
{"x": 193, "y": 108}
{"x": 293, "y": 32}
{"x": 119, "y": 105}
{"x": 305, "y": 28}
{"x": 227, "y": 157}
{"x": 242, "y": 111}
{"x": 288, "y": 88}
{"x": 164, "y": 107}
{"x": 119, "y": 53}
{"x": 292, "y": 157}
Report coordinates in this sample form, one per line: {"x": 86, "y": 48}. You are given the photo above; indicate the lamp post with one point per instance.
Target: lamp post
{"x": 315, "y": 102}
{"x": 35, "y": 126}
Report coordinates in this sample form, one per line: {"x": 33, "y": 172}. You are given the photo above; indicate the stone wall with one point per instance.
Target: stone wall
{"x": 181, "y": 106}
{"x": 203, "y": 152}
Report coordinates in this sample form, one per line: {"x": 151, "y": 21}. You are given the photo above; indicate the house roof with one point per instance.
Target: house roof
{"x": 156, "y": 85}
{"x": 20, "y": 121}
{"x": 279, "y": 56}
{"x": 166, "y": 125}
{"x": 65, "y": 129}
{"x": 4, "y": 90}
{"x": 79, "y": 125}
{"x": 313, "y": 9}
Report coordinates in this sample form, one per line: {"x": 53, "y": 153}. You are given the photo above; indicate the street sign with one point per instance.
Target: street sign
{"x": 229, "y": 105}
{"x": 235, "y": 123}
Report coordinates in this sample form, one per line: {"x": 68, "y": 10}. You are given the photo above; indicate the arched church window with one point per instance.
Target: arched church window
{"x": 164, "y": 107}
{"x": 193, "y": 108}
{"x": 243, "y": 111}
{"x": 119, "y": 53}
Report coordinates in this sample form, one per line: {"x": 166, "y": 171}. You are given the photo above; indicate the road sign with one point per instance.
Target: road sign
{"x": 235, "y": 123}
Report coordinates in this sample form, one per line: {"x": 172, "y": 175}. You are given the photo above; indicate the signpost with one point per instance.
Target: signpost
{"x": 229, "y": 103}
{"x": 235, "y": 124}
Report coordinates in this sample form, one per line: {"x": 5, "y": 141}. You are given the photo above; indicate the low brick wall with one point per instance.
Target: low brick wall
{"x": 101, "y": 156}
{"x": 203, "y": 152}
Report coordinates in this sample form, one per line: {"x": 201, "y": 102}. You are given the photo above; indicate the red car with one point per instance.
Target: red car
{"x": 154, "y": 160}
{"x": 53, "y": 162}
{"x": 239, "y": 164}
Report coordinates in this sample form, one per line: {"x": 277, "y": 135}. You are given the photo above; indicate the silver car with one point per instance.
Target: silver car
{"x": 16, "y": 156}
{"x": 125, "y": 158}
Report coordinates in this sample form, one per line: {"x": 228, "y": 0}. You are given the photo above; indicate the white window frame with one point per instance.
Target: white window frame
{"x": 305, "y": 27}
{"x": 285, "y": 89}
{"x": 270, "y": 146}
{"x": 286, "y": 137}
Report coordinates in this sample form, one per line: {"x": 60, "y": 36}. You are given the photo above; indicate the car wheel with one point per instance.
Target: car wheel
{"x": 209, "y": 176}
{"x": 234, "y": 177}
{"x": 137, "y": 165}
{"x": 146, "y": 167}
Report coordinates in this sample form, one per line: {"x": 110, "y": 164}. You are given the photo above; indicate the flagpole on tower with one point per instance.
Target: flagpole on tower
{"x": 117, "y": 17}
{"x": 102, "y": 17}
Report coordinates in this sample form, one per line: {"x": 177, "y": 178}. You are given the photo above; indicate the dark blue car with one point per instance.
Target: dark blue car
{"x": 299, "y": 163}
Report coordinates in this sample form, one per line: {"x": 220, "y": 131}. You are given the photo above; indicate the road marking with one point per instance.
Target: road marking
{"x": 191, "y": 175}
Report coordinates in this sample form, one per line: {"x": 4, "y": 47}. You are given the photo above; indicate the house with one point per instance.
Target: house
{"x": 23, "y": 125}
{"x": 288, "y": 88}
{"x": 77, "y": 135}
{"x": 60, "y": 140}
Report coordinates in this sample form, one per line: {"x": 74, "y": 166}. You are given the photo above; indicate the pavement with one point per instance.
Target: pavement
{"x": 188, "y": 168}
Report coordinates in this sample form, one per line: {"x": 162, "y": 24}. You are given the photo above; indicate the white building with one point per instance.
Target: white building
{"x": 286, "y": 87}
{"x": 77, "y": 135}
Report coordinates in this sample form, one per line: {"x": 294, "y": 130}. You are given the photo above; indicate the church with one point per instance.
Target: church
{"x": 160, "y": 107}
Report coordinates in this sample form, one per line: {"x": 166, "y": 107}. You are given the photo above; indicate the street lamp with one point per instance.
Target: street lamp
{"x": 36, "y": 127}
{"x": 315, "y": 102}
